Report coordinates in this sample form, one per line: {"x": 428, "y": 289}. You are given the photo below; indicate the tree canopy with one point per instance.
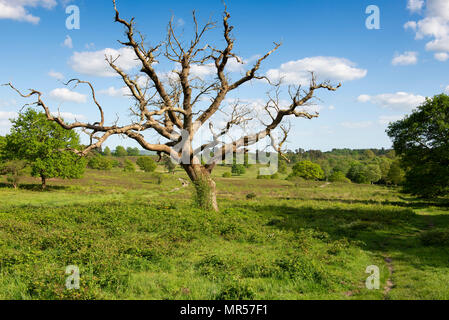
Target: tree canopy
{"x": 45, "y": 146}
{"x": 422, "y": 141}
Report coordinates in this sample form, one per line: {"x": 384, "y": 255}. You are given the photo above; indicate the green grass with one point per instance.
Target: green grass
{"x": 133, "y": 238}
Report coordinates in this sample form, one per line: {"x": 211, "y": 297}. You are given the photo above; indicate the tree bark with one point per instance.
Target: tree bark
{"x": 205, "y": 187}
{"x": 44, "y": 182}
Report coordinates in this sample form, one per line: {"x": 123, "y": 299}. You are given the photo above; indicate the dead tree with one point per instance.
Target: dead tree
{"x": 176, "y": 107}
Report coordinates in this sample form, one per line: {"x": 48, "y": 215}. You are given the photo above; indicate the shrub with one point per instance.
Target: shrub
{"x": 338, "y": 176}
{"x": 238, "y": 169}
{"x": 307, "y": 170}
{"x": 129, "y": 166}
{"x": 146, "y": 164}
{"x": 250, "y": 196}
{"x": 99, "y": 162}
{"x": 227, "y": 175}
{"x": 235, "y": 290}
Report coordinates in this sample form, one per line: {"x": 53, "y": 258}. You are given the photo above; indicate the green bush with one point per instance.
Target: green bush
{"x": 307, "y": 170}
{"x": 146, "y": 164}
{"x": 338, "y": 176}
{"x": 99, "y": 162}
{"x": 129, "y": 166}
{"x": 227, "y": 175}
{"x": 238, "y": 169}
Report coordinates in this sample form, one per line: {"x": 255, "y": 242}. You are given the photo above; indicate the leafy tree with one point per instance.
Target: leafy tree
{"x": 422, "y": 141}
{"x": 338, "y": 176}
{"x": 357, "y": 173}
{"x": 107, "y": 152}
{"x": 134, "y": 152}
{"x": 99, "y": 162}
{"x": 120, "y": 151}
{"x": 14, "y": 170}
{"x": 396, "y": 174}
{"x": 307, "y": 170}
{"x": 44, "y": 146}
{"x": 373, "y": 173}
{"x": 146, "y": 164}
{"x": 129, "y": 166}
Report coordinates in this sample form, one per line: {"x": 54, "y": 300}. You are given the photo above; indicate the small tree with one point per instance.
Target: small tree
{"x": 14, "y": 170}
{"x": 107, "y": 152}
{"x": 146, "y": 164}
{"x": 120, "y": 151}
{"x": 45, "y": 145}
{"x": 307, "y": 170}
{"x": 395, "y": 175}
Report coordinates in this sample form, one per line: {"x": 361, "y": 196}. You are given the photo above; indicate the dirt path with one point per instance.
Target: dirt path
{"x": 325, "y": 185}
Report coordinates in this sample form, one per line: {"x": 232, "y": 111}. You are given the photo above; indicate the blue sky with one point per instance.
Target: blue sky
{"x": 385, "y": 72}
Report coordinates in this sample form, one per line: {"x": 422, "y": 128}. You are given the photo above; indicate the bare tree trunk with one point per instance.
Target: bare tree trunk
{"x": 205, "y": 187}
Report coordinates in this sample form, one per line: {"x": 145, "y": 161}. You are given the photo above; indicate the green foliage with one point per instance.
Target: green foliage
{"x": 282, "y": 166}
{"x": 227, "y": 175}
{"x": 251, "y": 196}
{"x": 128, "y": 166}
{"x": 422, "y": 141}
{"x": 42, "y": 143}
{"x": 202, "y": 195}
{"x": 14, "y": 170}
{"x": 120, "y": 151}
{"x": 396, "y": 174}
{"x": 146, "y": 164}
{"x": 238, "y": 169}
{"x": 98, "y": 162}
{"x": 338, "y": 176}
{"x": 107, "y": 152}
{"x": 133, "y": 152}
{"x": 362, "y": 173}
{"x": 307, "y": 170}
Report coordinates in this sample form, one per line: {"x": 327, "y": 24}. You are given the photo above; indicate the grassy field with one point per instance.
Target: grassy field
{"x": 136, "y": 237}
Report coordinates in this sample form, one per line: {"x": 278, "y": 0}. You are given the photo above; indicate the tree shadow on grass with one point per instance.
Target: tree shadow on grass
{"x": 407, "y": 203}
{"x": 379, "y": 230}
{"x": 34, "y": 187}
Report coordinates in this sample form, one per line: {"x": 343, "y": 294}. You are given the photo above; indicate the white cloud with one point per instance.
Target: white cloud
{"x": 325, "y": 68}
{"x": 447, "y": 89}
{"x": 398, "y": 101}
{"x": 5, "y": 124}
{"x": 332, "y": 107}
{"x": 69, "y": 116}
{"x": 441, "y": 56}
{"x": 56, "y": 75}
{"x": 65, "y": 95}
{"x": 6, "y": 115}
{"x": 17, "y": 9}
{"x": 415, "y": 5}
{"x": 405, "y": 59}
{"x": 357, "y": 125}
{"x": 434, "y": 24}
{"x": 93, "y": 63}
{"x": 385, "y": 120}
{"x": 114, "y": 92}
{"x": 68, "y": 42}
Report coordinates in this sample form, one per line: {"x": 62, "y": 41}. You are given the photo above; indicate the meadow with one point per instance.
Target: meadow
{"x": 138, "y": 236}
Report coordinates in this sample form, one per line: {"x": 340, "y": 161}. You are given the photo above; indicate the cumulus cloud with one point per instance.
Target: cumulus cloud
{"x": 441, "y": 56}
{"x": 56, "y": 75}
{"x": 17, "y": 9}
{"x": 65, "y": 95}
{"x": 398, "y": 101}
{"x": 405, "y": 59}
{"x": 415, "y": 5}
{"x": 434, "y": 24}
{"x": 5, "y": 123}
{"x": 357, "y": 125}
{"x": 325, "y": 68}
{"x": 93, "y": 63}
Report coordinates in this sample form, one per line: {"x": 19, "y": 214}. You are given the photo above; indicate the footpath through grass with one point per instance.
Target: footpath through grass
{"x": 133, "y": 238}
